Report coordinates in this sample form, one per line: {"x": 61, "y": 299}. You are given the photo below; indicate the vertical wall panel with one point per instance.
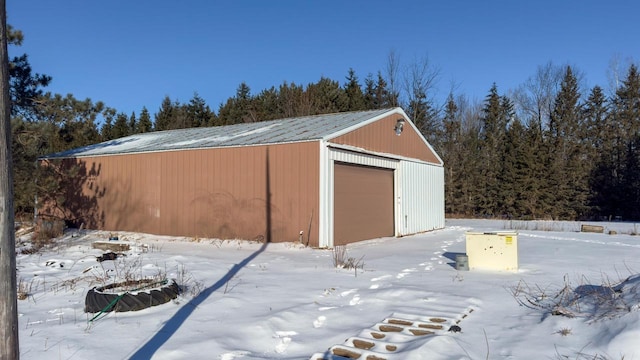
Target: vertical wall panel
{"x": 421, "y": 198}
{"x": 257, "y": 192}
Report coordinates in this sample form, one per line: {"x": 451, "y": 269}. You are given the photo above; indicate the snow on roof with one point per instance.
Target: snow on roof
{"x": 305, "y": 128}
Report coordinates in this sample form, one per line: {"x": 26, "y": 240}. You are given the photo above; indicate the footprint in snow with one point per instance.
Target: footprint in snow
{"x": 284, "y": 339}
{"x": 355, "y": 300}
{"x": 319, "y": 322}
{"x": 381, "y": 278}
{"x": 348, "y": 292}
{"x": 232, "y": 355}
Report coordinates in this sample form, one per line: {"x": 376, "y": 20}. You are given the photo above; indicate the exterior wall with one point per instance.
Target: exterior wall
{"x": 380, "y": 137}
{"x": 254, "y": 192}
{"x": 421, "y": 198}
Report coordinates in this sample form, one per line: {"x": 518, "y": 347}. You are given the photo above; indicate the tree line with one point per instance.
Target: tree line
{"x": 546, "y": 150}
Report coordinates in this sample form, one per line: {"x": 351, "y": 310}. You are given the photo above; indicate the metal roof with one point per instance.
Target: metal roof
{"x": 305, "y": 128}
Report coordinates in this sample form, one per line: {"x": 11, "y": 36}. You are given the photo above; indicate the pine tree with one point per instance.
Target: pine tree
{"x": 450, "y": 151}
{"x": 369, "y": 93}
{"x": 238, "y": 109}
{"x": 497, "y": 113}
{"x": 266, "y": 105}
{"x": 600, "y": 139}
{"x": 627, "y": 115}
{"x": 164, "y": 117}
{"x": 385, "y": 98}
{"x": 197, "y": 112}
{"x": 423, "y": 115}
{"x": 121, "y": 126}
{"x": 133, "y": 124}
{"x": 353, "y": 91}
{"x": 326, "y": 97}
{"x": 25, "y": 87}
{"x": 144, "y": 124}
{"x": 568, "y": 172}
{"x": 106, "y": 131}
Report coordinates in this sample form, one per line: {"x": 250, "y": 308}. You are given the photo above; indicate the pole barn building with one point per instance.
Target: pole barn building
{"x": 325, "y": 180}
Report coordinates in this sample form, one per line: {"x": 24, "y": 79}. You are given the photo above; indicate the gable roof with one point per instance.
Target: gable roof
{"x": 298, "y": 129}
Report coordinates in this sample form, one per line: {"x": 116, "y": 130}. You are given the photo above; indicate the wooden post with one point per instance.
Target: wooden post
{"x": 9, "y": 348}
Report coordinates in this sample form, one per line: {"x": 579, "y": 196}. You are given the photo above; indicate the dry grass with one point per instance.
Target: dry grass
{"x": 588, "y": 301}
{"x": 24, "y": 289}
{"x": 564, "y": 331}
{"x": 45, "y": 231}
{"x": 341, "y": 259}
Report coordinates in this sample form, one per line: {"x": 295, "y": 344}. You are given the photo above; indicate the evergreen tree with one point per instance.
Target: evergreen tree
{"x": 25, "y": 87}
{"x": 62, "y": 123}
{"x": 450, "y": 151}
{"x": 198, "y": 112}
{"x": 567, "y": 171}
{"x": 266, "y": 105}
{"x": 600, "y": 139}
{"x": 326, "y": 97}
{"x": 106, "y": 131}
{"x": 369, "y": 93}
{"x": 424, "y": 116}
{"x": 627, "y": 116}
{"x": 523, "y": 192}
{"x": 74, "y": 120}
{"x": 497, "y": 113}
{"x": 384, "y": 97}
{"x": 238, "y": 109}
{"x": 133, "y": 124}
{"x": 144, "y": 124}
{"x": 355, "y": 97}
{"x": 459, "y": 148}
{"x": 172, "y": 115}
{"x": 293, "y": 100}
{"x": 121, "y": 126}
{"x": 598, "y": 130}
{"x": 164, "y": 118}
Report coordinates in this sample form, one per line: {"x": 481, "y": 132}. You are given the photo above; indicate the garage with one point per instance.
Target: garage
{"x": 363, "y": 201}
{"x": 320, "y": 180}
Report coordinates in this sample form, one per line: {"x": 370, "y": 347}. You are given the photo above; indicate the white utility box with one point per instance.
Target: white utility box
{"x": 492, "y": 250}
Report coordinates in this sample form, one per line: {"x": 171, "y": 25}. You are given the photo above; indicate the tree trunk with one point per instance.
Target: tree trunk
{"x": 9, "y": 348}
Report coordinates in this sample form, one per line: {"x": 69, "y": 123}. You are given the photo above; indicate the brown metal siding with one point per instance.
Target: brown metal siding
{"x": 363, "y": 203}
{"x": 380, "y": 137}
{"x": 214, "y": 193}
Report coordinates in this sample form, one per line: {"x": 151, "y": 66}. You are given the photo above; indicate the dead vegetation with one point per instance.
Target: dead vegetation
{"x": 591, "y": 302}
{"x": 342, "y": 260}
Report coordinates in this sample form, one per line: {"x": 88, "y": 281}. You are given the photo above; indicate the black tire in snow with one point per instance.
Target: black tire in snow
{"x": 98, "y": 300}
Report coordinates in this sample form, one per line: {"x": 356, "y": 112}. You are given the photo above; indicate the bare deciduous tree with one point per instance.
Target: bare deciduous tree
{"x": 393, "y": 67}
{"x": 534, "y": 99}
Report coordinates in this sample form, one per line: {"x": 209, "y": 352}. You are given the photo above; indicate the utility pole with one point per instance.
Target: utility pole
{"x": 9, "y": 348}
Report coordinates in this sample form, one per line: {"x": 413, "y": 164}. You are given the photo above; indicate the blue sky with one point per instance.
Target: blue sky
{"x": 132, "y": 53}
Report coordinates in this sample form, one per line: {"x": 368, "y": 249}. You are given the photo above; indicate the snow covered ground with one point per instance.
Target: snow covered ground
{"x": 284, "y": 301}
